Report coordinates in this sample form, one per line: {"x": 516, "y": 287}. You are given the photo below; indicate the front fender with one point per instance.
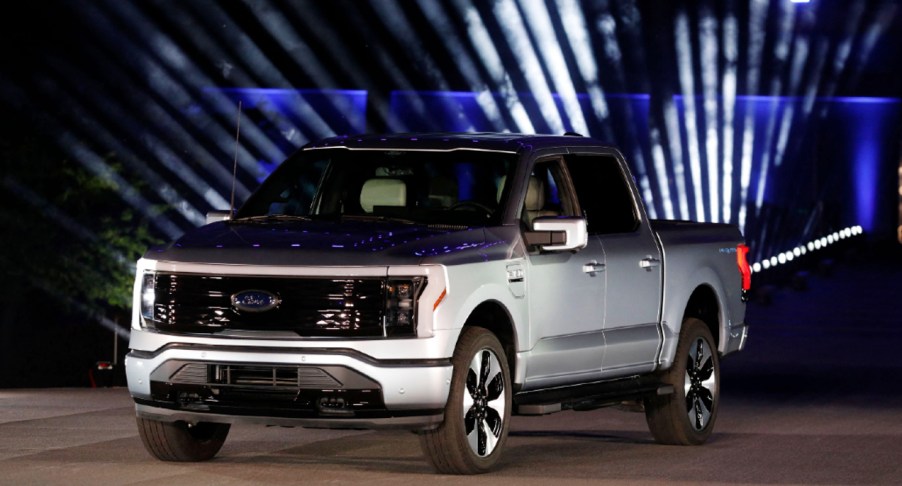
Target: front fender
{"x": 472, "y": 285}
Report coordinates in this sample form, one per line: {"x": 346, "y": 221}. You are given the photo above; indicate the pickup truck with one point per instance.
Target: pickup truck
{"x": 438, "y": 283}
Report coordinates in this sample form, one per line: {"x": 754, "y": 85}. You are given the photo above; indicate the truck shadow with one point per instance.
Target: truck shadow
{"x": 625, "y": 438}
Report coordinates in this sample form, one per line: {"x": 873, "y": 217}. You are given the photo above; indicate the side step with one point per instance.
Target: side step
{"x": 588, "y": 396}
{"x": 539, "y": 409}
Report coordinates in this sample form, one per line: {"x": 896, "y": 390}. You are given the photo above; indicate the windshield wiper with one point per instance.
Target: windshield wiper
{"x": 369, "y": 217}
{"x": 269, "y": 218}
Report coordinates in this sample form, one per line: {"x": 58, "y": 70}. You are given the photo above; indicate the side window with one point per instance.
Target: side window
{"x": 548, "y": 193}
{"x": 603, "y": 194}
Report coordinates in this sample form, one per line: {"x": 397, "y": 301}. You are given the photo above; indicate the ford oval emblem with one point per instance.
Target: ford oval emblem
{"x": 255, "y": 300}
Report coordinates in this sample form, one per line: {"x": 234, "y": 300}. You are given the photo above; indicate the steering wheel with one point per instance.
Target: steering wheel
{"x": 470, "y": 206}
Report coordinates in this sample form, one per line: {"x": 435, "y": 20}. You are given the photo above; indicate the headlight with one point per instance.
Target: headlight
{"x": 148, "y": 298}
{"x": 401, "y": 297}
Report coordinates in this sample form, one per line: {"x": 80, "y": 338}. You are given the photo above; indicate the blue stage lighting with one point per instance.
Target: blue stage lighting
{"x": 578, "y": 35}
{"x": 730, "y": 36}
{"x": 441, "y": 23}
{"x": 672, "y": 124}
{"x": 545, "y": 38}
{"x": 488, "y": 54}
{"x": 868, "y": 121}
{"x": 709, "y": 68}
{"x": 518, "y": 39}
{"x": 343, "y": 111}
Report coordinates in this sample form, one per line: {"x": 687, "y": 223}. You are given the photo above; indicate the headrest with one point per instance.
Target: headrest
{"x": 535, "y": 194}
{"x": 383, "y": 192}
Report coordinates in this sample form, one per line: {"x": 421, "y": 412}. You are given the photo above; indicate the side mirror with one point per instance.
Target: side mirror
{"x": 558, "y": 234}
{"x": 215, "y": 216}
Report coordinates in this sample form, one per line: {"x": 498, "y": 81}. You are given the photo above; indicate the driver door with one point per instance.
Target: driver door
{"x": 566, "y": 290}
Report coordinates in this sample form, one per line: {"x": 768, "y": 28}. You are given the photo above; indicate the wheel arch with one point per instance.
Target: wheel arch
{"x": 704, "y": 305}
{"x": 494, "y": 316}
{"x": 696, "y": 296}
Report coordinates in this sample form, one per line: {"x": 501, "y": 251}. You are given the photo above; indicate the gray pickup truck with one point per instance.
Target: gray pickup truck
{"x": 438, "y": 283}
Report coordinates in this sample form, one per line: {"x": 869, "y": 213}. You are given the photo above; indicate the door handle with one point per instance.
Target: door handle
{"x": 649, "y": 262}
{"x": 593, "y": 267}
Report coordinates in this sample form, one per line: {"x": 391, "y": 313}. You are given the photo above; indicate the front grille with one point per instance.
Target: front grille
{"x": 244, "y": 375}
{"x": 352, "y": 307}
{"x": 294, "y": 377}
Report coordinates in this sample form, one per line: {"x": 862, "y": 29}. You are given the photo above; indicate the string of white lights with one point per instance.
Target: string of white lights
{"x": 809, "y": 247}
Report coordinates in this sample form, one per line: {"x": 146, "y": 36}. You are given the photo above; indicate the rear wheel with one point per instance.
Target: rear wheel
{"x": 477, "y": 415}
{"x": 181, "y": 441}
{"x": 686, "y": 417}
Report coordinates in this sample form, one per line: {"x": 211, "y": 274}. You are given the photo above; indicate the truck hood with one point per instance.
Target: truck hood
{"x": 327, "y": 243}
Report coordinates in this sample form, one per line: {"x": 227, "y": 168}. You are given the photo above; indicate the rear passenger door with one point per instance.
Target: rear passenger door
{"x": 632, "y": 270}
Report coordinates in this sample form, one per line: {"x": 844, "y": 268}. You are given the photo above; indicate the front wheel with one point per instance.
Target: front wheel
{"x": 686, "y": 417}
{"x": 477, "y": 415}
{"x": 180, "y": 441}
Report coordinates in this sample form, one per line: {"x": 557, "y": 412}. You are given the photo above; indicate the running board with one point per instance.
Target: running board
{"x": 588, "y": 396}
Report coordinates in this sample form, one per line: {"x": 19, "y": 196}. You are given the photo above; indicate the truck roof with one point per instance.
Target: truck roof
{"x": 500, "y": 142}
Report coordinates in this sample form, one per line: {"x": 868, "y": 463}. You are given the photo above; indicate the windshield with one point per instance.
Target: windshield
{"x": 461, "y": 188}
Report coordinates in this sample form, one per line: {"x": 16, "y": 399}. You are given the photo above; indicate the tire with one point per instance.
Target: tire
{"x": 181, "y": 442}
{"x": 687, "y": 416}
{"x": 477, "y": 416}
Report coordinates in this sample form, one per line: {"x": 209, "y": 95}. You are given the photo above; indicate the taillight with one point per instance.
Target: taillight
{"x": 745, "y": 270}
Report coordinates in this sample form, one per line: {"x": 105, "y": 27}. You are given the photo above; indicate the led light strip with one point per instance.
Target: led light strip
{"x": 811, "y": 246}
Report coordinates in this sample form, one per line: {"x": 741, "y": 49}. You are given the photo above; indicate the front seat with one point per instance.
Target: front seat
{"x": 535, "y": 201}
{"x": 383, "y": 191}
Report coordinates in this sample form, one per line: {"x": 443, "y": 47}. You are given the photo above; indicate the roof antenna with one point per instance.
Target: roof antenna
{"x": 235, "y": 165}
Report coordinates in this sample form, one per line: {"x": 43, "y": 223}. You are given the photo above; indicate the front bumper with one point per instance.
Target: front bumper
{"x": 325, "y": 387}
{"x": 420, "y": 421}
